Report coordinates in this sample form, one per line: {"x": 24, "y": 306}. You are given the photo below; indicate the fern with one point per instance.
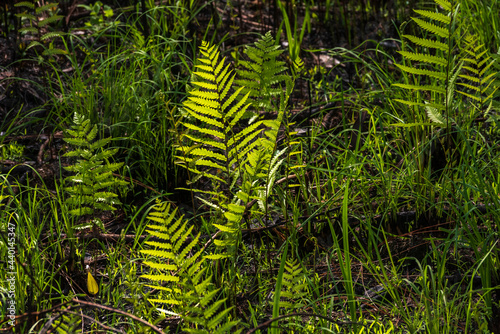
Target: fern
{"x": 211, "y": 103}
{"x": 294, "y": 288}
{"x": 33, "y": 15}
{"x": 93, "y": 179}
{"x": 241, "y": 162}
{"x": 477, "y": 83}
{"x": 187, "y": 287}
{"x": 480, "y": 81}
{"x": 237, "y": 160}
{"x": 262, "y": 76}
{"x": 220, "y": 150}
{"x": 437, "y": 71}
{"x": 70, "y": 323}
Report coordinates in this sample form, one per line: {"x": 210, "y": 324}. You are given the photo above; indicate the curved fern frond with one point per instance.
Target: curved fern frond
{"x": 433, "y": 74}
{"x": 424, "y": 58}
{"x": 436, "y": 89}
{"x": 189, "y": 289}
{"x": 434, "y": 16}
{"x": 446, "y": 5}
{"x": 26, "y": 4}
{"x": 427, "y": 43}
{"x": 49, "y": 20}
{"x": 218, "y": 108}
{"x": 432, "y": 28}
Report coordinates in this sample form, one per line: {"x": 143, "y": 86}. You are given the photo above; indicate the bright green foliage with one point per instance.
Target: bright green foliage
{"x": 100, "y": 16}
{"x": 223, "y": 151}
{"x": 11, "y": 151}
{"x": 218, "y": 111}
{"x": 480, "y": 81}
{"x": 240, "y": 160}
{"x": 188, "y": 290}
{"x": 94, "y": 172}
{"x": 441, "y": 71}
{"x": 435, "y": 70}
{"x": 67, "y": 324}
{"x": 293, "y": 288}
{"x": 263, "y": 75}
{"x": 33, "y": 14}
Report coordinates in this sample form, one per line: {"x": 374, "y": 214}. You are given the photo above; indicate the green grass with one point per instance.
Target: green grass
{"x": 386, "y": 242}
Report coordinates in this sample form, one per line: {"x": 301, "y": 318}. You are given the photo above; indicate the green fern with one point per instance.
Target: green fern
{"x": 434, "y": 72}
{"x": 441, "y": 71}
{"x": 294, "y": 288}
{"x": 263, "y": 75}
{"x": 220, "y": 150}
{"x": 437, "y": 71}
{"x": 33, "y": 15}
{"x": 480, "y": 81}
{"x": 70, "y": 323}
{"x": 187, "y": 287}
{"x": 94, "y": 178}
{"x": 211, "y": 103}
{"x": 242, "y": 163}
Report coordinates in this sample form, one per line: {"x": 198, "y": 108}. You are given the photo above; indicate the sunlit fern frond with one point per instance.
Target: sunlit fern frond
{"x": 181, "y": 274}
{"x": 70, "y": 323}
{"x": 294, "y": 288}
{"x": 432, "y": 68}
{"x": 479, "y": 81}
{"x": 263, "y": 75}
{"x": 216, "y": 107}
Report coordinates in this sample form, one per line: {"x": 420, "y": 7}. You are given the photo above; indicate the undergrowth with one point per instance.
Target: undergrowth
{"x": 265, "y": 193}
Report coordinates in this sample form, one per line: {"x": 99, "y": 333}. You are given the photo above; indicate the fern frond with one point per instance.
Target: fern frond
{"x": 158, "y": 235}
{"x": 434, "y": 16}
{"x": 418, "y": 71}
{"x": 445, "y": 4}
{"x": 46, "y": 7}
{"x": 432, "y": 28}
{"x": 92, "y": 175}
{"x": 293, "y": 288}
{"x": 435, "y": 89}
{"x": 263, "y": 75}
{"x": 190, "y": 290}
{"x": 424, "y": 58}
{"x": 215, "y": 107}
{"x": 51, "y": 35}
{"x": 435, "y": 116}
{"x": 161, "y": 266}
{"x": 28, "y": 16}
{"x": 441, "y": 77}
{"x": 480, "y": 86}
{"x": 427, "y": 43}
{"x": 49, "y": 20}
{"x": 159, "y": 253}
{"x": 26, "y": 4}
{"x": 421, "y": 104}
{"x": 25, "y": 30}
{"x": 33, "y": 44}
{"x": 161, "y": 278}
{"x": 54, "y": 51}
